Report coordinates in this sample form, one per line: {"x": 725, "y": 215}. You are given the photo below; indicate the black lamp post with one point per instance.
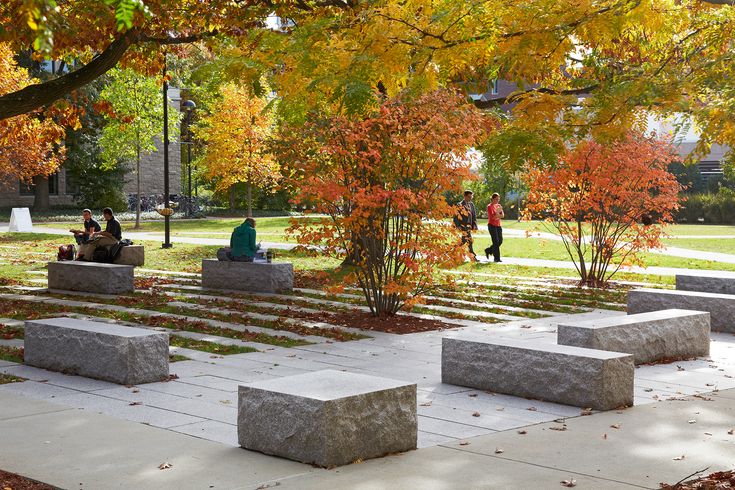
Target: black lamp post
{"x": 188, "y": 106}
{"x": 166, "y": 211}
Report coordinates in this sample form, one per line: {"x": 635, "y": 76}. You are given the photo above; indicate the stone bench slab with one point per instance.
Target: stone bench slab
{"x": 721, "y": 307}
{"x": 90, "y": 277}
{"x": 261, "y": 277}
{"x": 124, "y": 355}
{"x": 706, "y": 283}
{"x": 131, "y": 255}
{"x": 597, "y": 379}
{"x": 654, "y": 336}
{"x": 328, "y": 418}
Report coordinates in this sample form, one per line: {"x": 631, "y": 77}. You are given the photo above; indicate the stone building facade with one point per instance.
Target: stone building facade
{"x": 61, "y": 192}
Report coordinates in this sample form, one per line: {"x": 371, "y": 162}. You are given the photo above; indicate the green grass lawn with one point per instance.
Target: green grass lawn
{"x": 721, "y": 245}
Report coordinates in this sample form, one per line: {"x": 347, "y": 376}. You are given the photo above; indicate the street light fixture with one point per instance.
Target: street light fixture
{"x": 188, "y": 106}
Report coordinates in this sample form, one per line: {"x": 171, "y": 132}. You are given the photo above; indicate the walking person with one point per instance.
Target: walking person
{"x": 466, "y": 220}
{"x": 494, "y": 213}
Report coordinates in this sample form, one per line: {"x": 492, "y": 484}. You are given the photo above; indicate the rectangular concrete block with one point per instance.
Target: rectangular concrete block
{"x": 328, "y": 418}
{"x": 91, "y": 277}
{"x": 124, "y": 355}
{"x": 721, "y": 307}
{"x": 720, "y": 284}
{"x": 653, "y": 336}
{"x": 131, "y": 255}
{"x": 601, "y": 380}
{"x": 260, "y": 277}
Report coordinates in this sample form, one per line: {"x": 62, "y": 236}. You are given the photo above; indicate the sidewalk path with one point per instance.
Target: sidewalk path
{"x": 648, "y": 444}
{"x": 223, "y": 242}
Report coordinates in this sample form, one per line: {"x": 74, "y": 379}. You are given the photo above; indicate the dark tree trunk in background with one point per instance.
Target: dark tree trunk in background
{"x": 41, "y": 200}
{"x": 232, "y": 198}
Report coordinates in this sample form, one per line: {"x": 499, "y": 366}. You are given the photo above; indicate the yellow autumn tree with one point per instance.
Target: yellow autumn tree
{"x": 235, "y": 134}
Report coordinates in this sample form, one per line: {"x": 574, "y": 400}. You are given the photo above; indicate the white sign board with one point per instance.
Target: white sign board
{"x": 20, "y": 220}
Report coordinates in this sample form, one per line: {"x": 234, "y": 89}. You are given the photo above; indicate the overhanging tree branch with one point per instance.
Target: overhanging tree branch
{"x": 38, "y": 95}
{"x": 487, "y": 104}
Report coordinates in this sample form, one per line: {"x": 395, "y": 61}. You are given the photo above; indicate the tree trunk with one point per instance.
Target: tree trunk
{"x": 137, "y": 190}
{"x": 232, "y": 197}
{"x": 41, "y": 200}
{"x": 250, "y": 200}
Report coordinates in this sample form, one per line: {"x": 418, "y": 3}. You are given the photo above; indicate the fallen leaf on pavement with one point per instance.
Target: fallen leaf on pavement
{"x": 586, "y": 411}
{"x": 731, "y": 431}
{"x": 464, "y": 443}
{"x": 692, "y": 421}
{"x": 522, "y": 432}
{"x": 498, "y": 451}
{"x": 562, "y": 428}
{"x": 532, "y": 409}
{"x": 604, "y": 436}
{"x": 569, "y": 483}
{"x": 679, "y": 458}
{"x": 679, "y": 368}
{"x": 164, "y": 466}
{"x": 134, "y": 403}
{"x": 476, "y": 414}
{"x": 615, "y": 426}
{"x": 427, "y": 404}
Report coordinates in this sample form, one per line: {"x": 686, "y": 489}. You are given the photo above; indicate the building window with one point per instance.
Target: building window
{"x": 494, "y": 87}
{"x": 53, "y": 186}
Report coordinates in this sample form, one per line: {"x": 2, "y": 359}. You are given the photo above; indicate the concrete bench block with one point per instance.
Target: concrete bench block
{"x": 328, "y": 418}
{"x": 131, "y": 255}
{"x": 124, "y": 355}
{"x": 91, "y": 277}
{"x": 706, "y": 283}
{"x": 665, "y": 334}
{"x": 721, "y": 307}
{"x": 260, "y": 277}
{"x": 601, "y": 380}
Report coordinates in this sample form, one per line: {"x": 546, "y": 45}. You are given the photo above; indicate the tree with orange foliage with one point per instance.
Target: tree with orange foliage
{"x": 608, "y": 202}
{"x": 235, "y": 134}
{"x": 381, "y": 181}
{"x": 29, "y": 143}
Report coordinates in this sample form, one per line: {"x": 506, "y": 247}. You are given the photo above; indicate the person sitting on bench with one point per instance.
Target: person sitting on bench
{"x": 107, "y": 238}
{"x": 90, "y": 226}
{"x": 242, "y": 242}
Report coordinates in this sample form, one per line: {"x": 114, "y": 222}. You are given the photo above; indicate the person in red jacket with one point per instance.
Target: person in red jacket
{"x": 494, "y": 213}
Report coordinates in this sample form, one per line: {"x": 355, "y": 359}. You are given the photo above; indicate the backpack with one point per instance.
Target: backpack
{"x": 66, "y": 252}
{"x": 114, "y": 251}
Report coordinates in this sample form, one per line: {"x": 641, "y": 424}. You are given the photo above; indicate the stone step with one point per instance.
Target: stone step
{"x": 721, "y": 283}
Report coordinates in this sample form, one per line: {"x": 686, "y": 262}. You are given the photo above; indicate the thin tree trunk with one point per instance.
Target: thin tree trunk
{"x": 41, "y": 201}
{"x": 250, "y": 200}
{"x": 232, "y": 197}
{"x": 137, "y": 200}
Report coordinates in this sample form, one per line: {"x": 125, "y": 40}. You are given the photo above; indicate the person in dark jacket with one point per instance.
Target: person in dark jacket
{"x": 242, "y": 242}
{"x": 107, "y": 238}
{"x": 466, "y": 220}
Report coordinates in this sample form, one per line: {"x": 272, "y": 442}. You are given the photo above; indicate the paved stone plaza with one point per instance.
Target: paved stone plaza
{"x": 467, "y": 438}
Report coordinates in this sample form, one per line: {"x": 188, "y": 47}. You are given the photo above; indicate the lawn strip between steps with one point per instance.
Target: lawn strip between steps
{"x": 11, "y": 354}
{"x": 160, "y": 304}
{"x": 27, "y": 310}
{"x": 9, "y": 378}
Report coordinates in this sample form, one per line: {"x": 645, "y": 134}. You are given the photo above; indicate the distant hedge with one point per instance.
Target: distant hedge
{"x": 715, "y": 209}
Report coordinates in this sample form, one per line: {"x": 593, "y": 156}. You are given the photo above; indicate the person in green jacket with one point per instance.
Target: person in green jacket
{"x": 242, "y": 242}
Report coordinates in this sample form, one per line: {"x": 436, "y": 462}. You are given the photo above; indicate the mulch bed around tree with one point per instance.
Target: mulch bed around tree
{"x": 720, "y": 480}
{"x": 399, "y": 324}
{"x": 17, "y": 482}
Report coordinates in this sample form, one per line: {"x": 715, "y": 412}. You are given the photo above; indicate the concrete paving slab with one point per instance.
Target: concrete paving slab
{"x": 79, "y": 383}
{"x": 641, "y": 451}
{"x": 450, "y": 429}
{"x": 80, "y": 449}
{"x": 37, "y": 390}
{"x": 211, "y": 430}
{"x": 152, "y": 416}
{"x": 438, "y": 468}
{"x": 27, "y": 408}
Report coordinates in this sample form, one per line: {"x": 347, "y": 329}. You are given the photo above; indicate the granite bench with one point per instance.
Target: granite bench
{"x": 124, "y": 355}
{"x": 92, "y": 277}
{"x": 597, "y": 379}
{"x": 653, "y": 336}
{"x": 721, "y": 307}
{"x": 706, "y": 283}
{"x": 262, "y": 277}
{"x": 131, "y": 255}
{"x": 327, "y": 418}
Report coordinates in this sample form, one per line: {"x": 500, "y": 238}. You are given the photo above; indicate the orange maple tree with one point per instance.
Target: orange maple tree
{"x": 380, "y": 180}
{"x": 608, "y": 202}
{"x": 29, "y": 143}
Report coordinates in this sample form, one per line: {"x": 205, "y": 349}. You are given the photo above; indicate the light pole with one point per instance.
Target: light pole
{"x": 166, "y": 211}
{"x": 188, "y": 106}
